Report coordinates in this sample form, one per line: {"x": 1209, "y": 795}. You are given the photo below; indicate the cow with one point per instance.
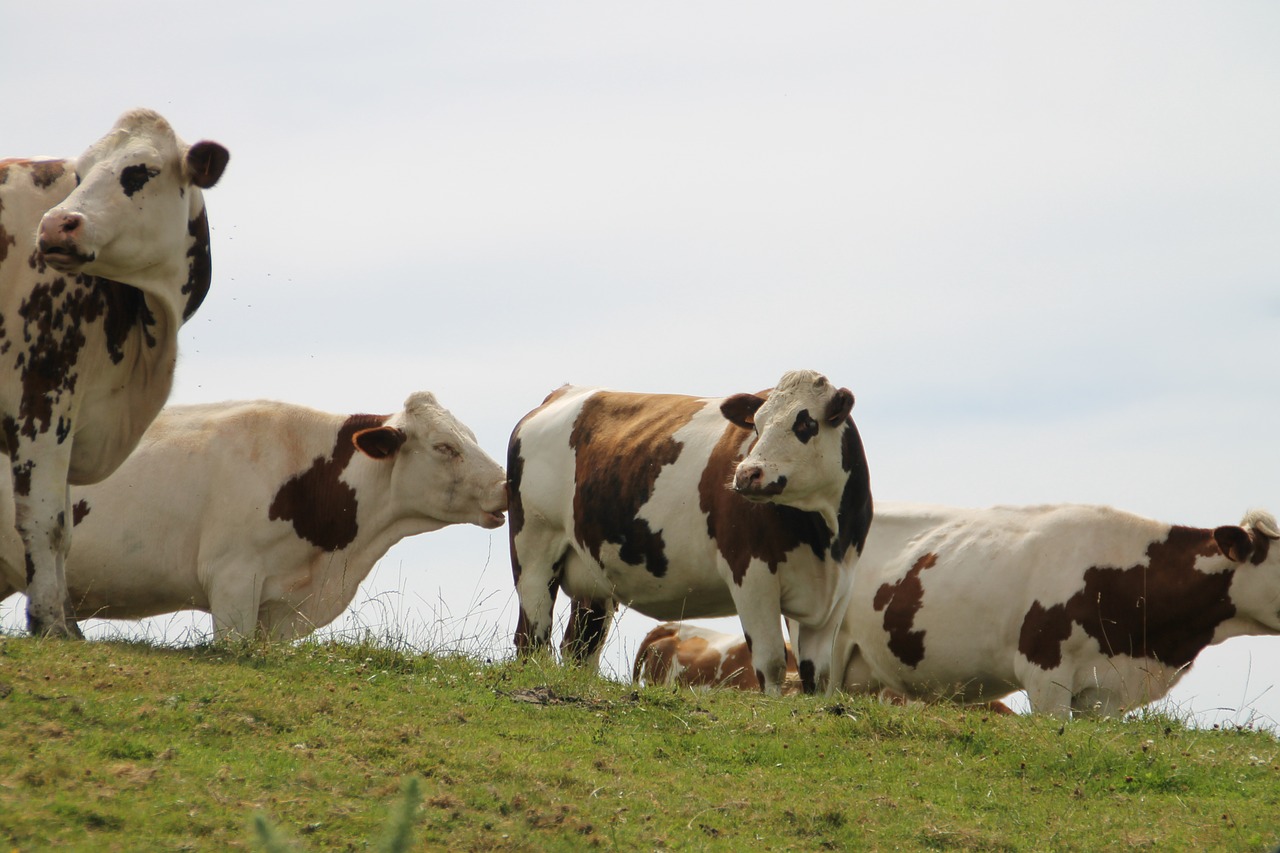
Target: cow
{"x": 269, "y": 515}
{"x": 755, "y": 504}
{"x": 684, "y": 654}
{"x": 102, "y": 259}
{"x": 1093, "y": 611}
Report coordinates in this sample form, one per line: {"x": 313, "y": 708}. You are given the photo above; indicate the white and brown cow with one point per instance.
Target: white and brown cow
{"x": 269, "y": 515}
{"x": 755, "y": 504}
{"x": 102, "y": 259}
{"x": 684, "y": 654}
{"x": 1091, "y": 610}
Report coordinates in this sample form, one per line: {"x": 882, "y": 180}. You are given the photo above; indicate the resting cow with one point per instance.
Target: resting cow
{"x": 682, "y": 654}
{"x": 102, "y": 259}
{"x": 1091, "y": 610}
{"x": 755, "y": 504}
{"x": 269, "y": 515}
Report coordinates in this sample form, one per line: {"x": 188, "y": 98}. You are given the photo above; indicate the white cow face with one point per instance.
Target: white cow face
{"x": 440, "y": 473}
{"x": 797, "y": 458}
{"x": 128, "y": 218}
{"x": 1255, "y": 589}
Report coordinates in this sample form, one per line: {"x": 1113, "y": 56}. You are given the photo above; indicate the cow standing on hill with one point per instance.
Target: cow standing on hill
{"x": 269, "y": 515}
{"x": 1091, "y": 610}
{"x": 755, "y": 504}
{"x": 102, "y": 259}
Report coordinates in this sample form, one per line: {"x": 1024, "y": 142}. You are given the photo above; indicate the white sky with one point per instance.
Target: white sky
{"x": 1038, "y": 241}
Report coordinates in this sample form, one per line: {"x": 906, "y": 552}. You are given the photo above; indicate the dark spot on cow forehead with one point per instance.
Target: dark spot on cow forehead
{"x": 901, "y": 601}
{"x": 134, "y": 178}
{"x": 1162, "y": 608}
{"x": 621, "y": 443}
{"x": 805, "y": 427}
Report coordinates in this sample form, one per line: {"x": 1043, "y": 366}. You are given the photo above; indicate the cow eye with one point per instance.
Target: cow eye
{"x": 446, "y": 449}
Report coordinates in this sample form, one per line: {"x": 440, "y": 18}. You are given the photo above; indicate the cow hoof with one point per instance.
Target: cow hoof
{"x": 62, "y": 630}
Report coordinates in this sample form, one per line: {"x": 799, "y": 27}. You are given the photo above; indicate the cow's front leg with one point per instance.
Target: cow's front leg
{"x": 758, "y": 601}
{"x": 1048, "y": 691}
{"x": 41, "y": 498}
{"x": 814, "y": 656}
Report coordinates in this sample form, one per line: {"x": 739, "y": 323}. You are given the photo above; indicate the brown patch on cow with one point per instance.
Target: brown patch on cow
{"x": 321, "y": 506}
{"x": 199, "y": 265}
{"x": 55, "y": 317}
{"x": 45, "y": 173}
{"x": 856, "y": 508}
{"x": 621, "y": 443}
{"x": 1162, "y": 609}
{"x": 79, "y": 512}
{"x": 744, "y": 530}
{"x": 901, "y": 601}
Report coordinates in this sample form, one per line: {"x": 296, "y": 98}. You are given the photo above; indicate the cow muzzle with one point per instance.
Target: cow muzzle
{"x": 61, "y": 241}
{"x": 749, "y": 481}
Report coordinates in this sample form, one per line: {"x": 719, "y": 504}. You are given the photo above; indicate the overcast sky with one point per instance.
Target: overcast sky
{"x": 1041, "y": 243}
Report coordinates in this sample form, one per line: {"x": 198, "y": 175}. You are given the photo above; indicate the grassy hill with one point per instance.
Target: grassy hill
{"x": 128, "y": 746}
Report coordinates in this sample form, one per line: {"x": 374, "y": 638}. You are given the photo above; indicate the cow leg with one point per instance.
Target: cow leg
{"x": 814, "y": 654}
{"x": 1048, "y": 691}
{"x": 235, "y": 606}
{"x": 585, "y": 634}
{"x": 537, "y": 563}
{"x": 759, "y": 603}
{"x": 40, "y": 513}
{"x": 1097, "y": 702}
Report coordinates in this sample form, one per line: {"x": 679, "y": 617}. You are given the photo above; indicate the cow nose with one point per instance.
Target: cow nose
{"x": 59, "y": 228}
{"x": 746, "y": 479}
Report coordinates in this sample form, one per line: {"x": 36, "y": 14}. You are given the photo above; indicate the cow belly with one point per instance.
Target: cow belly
{"x": 678, "y": 594}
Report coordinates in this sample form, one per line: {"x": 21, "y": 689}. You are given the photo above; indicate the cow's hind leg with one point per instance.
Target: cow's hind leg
{"x": 538, "y": 556}
{"x": 588, "y": 627}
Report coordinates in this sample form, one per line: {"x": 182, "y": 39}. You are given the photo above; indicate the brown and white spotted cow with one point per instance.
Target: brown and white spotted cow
{"x": 682, "y": 654}
{"x": 755, "y": 504}
{"x": 1091, "y": 610}
{"x": 269, "y": 515}
{"x": 101, "y": 261}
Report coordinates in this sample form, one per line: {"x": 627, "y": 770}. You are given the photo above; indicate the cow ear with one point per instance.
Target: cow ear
{"x": 839, "y": 407}
{"x": 741, "y": 409}
{"x": 1235, "y": 542}
{"x": 379, "y": 442}
{"x": 205, "y": 162}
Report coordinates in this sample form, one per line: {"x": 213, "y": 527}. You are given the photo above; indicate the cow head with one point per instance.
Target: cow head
{"x": 138, "y": 190}
{"x": 440, "y": 472}
{"x": 1255, "y": 588}
{"x": 798, "y": 457}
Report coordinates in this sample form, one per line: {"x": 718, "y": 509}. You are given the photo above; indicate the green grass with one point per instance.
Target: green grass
{"x": 129, "y": 746}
